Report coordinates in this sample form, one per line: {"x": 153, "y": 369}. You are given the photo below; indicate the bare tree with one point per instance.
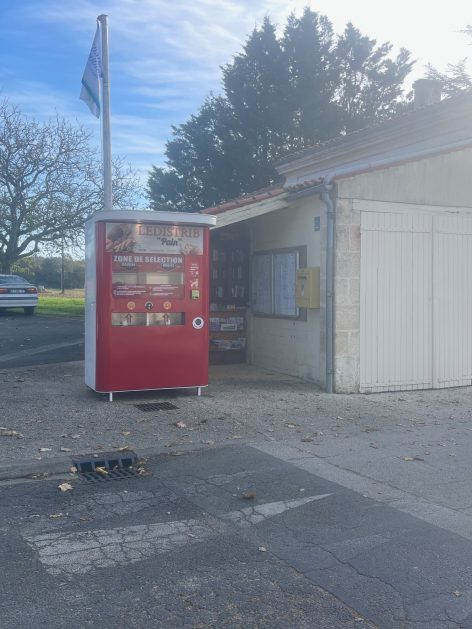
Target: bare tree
{"x": 456, "y": 78}
{"x": 50, "y": 181}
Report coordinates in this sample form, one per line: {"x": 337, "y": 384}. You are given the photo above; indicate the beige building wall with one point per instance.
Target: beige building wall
{"x": 440, "y": 180}
{"x": 437, "y": 181}
{"x": 284, "y": 345}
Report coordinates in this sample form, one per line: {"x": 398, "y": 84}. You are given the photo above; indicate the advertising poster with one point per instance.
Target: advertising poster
{"x": 148, "y": 259}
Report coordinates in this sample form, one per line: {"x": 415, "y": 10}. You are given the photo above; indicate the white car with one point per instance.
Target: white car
{"x": 16, "y": 292}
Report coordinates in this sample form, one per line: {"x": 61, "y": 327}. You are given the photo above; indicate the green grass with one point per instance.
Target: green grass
{"x": 61, "y": 306}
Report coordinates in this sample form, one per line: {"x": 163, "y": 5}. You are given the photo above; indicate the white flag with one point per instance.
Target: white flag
{"x": 90, "y": 92}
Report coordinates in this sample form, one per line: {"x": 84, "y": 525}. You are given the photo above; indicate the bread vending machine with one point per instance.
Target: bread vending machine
{"x": 146, "y": 300}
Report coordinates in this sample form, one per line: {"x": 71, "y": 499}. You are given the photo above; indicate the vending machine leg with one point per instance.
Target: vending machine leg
{"x": 110, "y": 396}
{"x": 199, "y": 391}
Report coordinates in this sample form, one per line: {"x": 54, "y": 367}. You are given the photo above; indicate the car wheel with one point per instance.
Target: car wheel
{"x": 29, "y": 310}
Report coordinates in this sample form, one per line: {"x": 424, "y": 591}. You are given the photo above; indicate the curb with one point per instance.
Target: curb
{"x": 28, "y": 468}
{"x": 61, "y": 465}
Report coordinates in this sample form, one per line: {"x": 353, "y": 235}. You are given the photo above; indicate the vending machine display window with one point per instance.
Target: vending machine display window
{"x": 141, "y": 318}
{"x": 155, "y": 283}
{"x": 166, "y": 318}
{"x": 126, "y": 318}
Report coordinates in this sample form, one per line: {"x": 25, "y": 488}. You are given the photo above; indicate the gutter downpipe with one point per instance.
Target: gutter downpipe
{"x": 330, "y": 286}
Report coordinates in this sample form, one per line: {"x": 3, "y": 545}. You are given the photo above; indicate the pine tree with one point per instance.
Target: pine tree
{"x": 279, "y": 95}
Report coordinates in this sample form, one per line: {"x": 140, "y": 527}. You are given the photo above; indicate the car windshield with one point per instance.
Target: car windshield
{"x": 12, "y": 279}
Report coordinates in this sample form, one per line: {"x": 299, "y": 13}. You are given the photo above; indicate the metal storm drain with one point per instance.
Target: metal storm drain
{"x": 108, "y": 466}
{"x": 156, "y": 406}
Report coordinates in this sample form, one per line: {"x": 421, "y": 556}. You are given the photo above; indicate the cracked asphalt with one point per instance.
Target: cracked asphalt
{"x": 162, "y": 551}
{"x": 182, "y": 547}
{"x": 358, "y": 509}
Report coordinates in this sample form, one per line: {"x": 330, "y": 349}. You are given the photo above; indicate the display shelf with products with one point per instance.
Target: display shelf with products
{"x": 229, "y": 272}
{"x": 229, "y": 282}
{"x": 227, "y": 335}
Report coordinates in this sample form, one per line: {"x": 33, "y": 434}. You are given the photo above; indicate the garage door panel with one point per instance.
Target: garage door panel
{"x": 395, "y": 302}
{"x": 452, "y": 288}
{"x": 416, "y": 301}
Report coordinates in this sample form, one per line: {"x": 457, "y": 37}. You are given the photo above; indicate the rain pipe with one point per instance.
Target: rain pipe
{"x": 330, "y": 267}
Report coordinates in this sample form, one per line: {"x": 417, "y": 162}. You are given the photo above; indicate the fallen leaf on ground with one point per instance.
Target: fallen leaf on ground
{"x": 101, "y": 470}
{"x": 65, "y": 449}
{"x": 74, "y": 436}
{"x": 124, "y": 449}
{"x": 180, "y": 424}
{"x": 248, "y": 495}
{"x": 8, "y": 432}
{"x": 65, "y": 487}
{"x": 73, "y": 469}
{"x": 412, "y": 458}
{"x": 125, "y": 433}
{"x": 373, "y": 445}
{"x": 56, "y": 515}
{"x": 263, "y": 549}
{"x": 290, "y": 425}
{"x": 236, "y": 437}
{"x": 208, "y": 443}
{"x": 457, "y": 593}
{"x": 44, "y": 449}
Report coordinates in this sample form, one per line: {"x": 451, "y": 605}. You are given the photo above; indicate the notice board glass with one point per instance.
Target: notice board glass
{"x": 273, "y": 282}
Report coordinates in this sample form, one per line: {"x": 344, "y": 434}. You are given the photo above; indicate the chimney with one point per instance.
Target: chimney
{"x": 427, "y": 92}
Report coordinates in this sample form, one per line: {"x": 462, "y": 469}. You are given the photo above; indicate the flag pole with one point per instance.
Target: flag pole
{"x": 106, "y": 132}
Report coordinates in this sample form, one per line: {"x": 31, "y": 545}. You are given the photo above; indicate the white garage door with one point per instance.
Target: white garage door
{"x": 416, "y": 306}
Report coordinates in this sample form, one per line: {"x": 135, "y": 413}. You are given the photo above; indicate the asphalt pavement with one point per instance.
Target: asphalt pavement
{"x": 27, "y": 340}
{"x": 265, "y": 503}
{"x": 227, "y": 538}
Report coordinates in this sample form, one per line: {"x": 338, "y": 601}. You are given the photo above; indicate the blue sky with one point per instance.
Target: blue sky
{"x": 165, "y": 55}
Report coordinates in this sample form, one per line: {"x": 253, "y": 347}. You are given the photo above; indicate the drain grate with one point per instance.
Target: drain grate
{"x": 156, "y": 406}
{"x": 109, "y": 475}
{"x": 107, "y": 466}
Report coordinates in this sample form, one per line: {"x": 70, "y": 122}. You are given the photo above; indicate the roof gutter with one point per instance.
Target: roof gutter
{"x": 368, "y": 163}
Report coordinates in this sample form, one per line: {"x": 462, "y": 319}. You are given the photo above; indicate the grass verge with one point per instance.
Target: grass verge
{"x": 61, "y": 306}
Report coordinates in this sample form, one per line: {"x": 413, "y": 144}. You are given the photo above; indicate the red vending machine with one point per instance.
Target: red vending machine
{"x": 147, "y": 299}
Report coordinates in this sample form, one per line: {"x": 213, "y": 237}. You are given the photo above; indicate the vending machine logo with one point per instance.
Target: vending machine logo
{"x": 153, "y": 238}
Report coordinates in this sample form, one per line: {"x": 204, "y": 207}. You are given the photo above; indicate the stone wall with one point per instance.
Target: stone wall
{"x": 347, "y": 297}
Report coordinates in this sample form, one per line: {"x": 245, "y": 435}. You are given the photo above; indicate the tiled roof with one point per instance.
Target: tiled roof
{"x": 304, "y": 185}
{"x": 247, "y": 199}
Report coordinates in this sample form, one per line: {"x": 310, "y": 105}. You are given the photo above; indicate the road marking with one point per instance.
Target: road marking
{"x": 39, "y": 350}
{"x": 79, "y": 553}
{"x": 258, "y": 513}
{"x": 69, "y": 554}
